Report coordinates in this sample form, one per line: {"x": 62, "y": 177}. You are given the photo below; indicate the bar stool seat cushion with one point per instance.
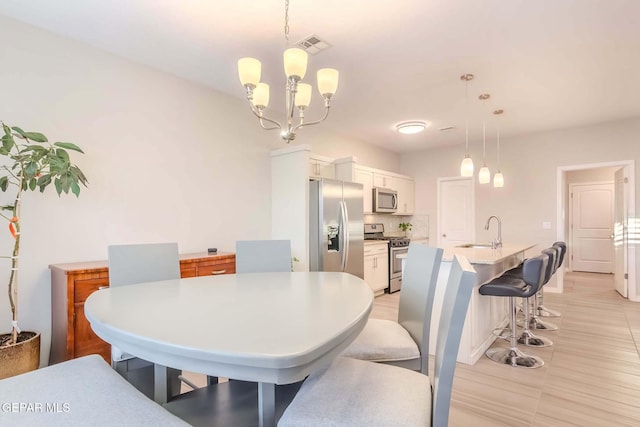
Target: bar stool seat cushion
{"x": 407, "y": 397}
{"x": 381, "y": 341}
{"x": 505, "y": 286}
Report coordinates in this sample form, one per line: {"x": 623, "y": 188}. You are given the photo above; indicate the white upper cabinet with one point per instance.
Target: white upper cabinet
{"x": 383, "y": 180}
{"x": 406, "y": 195}
{"x": 321, "y": 167}
{"x": 348, "y": 170}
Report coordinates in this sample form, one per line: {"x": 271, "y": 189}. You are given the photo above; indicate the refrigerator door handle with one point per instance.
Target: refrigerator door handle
{"x": 344, "y": 228}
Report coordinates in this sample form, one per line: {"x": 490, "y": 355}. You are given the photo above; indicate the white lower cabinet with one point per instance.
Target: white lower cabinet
{"x": 376, "y": 266}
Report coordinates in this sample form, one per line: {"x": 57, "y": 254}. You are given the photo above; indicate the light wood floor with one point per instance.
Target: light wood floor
{"x": 591, "y": 375}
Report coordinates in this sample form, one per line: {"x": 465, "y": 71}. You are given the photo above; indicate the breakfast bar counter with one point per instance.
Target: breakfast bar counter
{"x": 485, "y": 313}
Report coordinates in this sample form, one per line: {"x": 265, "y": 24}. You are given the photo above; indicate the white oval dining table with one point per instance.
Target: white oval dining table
{"x": 268, "y": 328}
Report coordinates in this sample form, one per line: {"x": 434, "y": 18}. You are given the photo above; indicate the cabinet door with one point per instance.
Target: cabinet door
{"x": 370, "y": 271}
{"x": 382, "y": 180}
{"x": 381, "y": 280}
{"x": 406, "y": 195}
{"x": 365, "y": 178}
{"x": 321, "y": 169}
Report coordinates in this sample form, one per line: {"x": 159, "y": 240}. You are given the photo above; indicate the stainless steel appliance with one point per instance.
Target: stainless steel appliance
{"x": 336, "y": 227}
{"x": 385, "y": 200}
{"x": 397, "y": 246}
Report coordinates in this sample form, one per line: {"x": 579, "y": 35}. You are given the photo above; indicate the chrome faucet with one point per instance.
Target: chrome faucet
{"x": 498, "y": 242}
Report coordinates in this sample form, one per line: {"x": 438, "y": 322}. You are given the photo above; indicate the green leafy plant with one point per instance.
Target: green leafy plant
{"x": 31, "y": 162}
{"x": 404, "y": 226}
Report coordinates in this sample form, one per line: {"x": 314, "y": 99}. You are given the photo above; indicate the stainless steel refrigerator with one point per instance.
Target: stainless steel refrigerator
{"x": 336, "y": 227}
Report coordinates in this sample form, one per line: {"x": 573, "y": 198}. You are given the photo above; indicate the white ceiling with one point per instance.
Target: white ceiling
{"x": 548, "y": 63}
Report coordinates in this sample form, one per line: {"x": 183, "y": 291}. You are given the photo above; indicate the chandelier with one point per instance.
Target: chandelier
{"x": 297, "y": 94}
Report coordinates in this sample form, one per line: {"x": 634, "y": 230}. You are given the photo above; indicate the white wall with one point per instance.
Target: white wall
{"x": 166, "y": 159}
{"x": 529, "y": 165}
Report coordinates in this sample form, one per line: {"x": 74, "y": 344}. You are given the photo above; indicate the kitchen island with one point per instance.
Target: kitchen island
{"x": 485, "y": 313}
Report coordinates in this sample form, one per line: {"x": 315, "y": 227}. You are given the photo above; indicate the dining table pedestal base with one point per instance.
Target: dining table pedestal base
{"x": 231, "y": 403}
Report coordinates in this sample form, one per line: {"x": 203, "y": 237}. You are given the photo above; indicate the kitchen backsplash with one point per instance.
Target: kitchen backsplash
{"x": 419, "y": 224}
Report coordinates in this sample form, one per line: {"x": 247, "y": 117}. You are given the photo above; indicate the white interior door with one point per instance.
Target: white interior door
{"x": 620, "y": 237}
{"x": 456, "y": 224}
{"x": 592, "y": 227}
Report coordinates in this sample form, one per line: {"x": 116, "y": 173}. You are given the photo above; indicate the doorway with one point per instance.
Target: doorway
{"x": 456, "y": 211}
{"x": 591, "y": 225}
{"x": 593, "y": 173}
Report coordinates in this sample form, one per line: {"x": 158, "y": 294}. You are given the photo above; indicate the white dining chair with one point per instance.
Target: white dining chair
{"x": 263, "y": 256}
{"x": 353, "y": 392}
{"x": 404, "y": 343}
{"x": 137, "y": 263}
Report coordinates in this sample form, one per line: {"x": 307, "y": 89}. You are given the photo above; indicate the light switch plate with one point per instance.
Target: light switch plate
{"x": 546, "y": 225}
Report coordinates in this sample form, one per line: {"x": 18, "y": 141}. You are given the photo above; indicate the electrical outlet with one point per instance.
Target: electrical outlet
{"x": 546, "y": 225}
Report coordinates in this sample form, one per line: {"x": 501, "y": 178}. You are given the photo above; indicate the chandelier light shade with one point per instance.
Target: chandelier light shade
{"x": 298, "y": 95}
{"x": 484, "y": 176}
{"x": 466, "y": 167}
{"x": 498, "y": 179}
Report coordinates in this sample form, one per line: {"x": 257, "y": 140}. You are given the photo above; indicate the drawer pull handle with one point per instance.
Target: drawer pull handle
{"x": 219, "y": 272}
{"x": 103, "y": 287}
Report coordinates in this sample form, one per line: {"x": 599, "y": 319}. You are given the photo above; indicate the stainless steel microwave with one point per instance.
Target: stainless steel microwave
{"x": 385, "y": 200}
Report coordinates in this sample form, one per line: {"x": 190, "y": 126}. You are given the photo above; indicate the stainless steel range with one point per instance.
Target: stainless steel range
{"x": 397, "y": 246}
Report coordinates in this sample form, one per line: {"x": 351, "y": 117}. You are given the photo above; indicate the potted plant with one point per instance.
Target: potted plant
{"x": 404, "y": 226}
{"x": 28, "y": 162}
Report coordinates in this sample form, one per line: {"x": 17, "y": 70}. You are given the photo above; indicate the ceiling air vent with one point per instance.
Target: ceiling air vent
{"x": 447, "y": 128}
{"x": 313, "y": 44}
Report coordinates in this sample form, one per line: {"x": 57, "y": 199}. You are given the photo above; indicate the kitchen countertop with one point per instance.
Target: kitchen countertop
{"x": 375, "y": 242}
{"x": 486, "y": 255}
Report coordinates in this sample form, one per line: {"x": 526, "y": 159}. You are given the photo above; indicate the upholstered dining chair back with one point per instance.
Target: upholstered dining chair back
{"x": 419, "y": 279}
{"x": 137, "y": 263}
{"x": 129, "y": 264}
{"x": 263, "y": 256}
{"x": 462, "y": 278}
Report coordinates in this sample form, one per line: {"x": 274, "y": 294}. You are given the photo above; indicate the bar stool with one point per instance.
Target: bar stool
{"x": 535, "y": 322}
{"x": 533, "y": 273}
{"x": 541, "y": 310}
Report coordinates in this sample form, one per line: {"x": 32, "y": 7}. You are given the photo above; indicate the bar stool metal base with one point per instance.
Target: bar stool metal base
{"x": 514, "y": 357}
{"x": 543, "y": 311}
{"x": 531, "y": 340}
{"x": 535, "y": 323}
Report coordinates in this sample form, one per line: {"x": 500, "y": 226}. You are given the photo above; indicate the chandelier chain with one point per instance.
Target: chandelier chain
{"x": 286, "y": 21}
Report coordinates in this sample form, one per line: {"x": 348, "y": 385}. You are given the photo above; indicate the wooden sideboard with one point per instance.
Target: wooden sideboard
{"x": 72, "y": 283}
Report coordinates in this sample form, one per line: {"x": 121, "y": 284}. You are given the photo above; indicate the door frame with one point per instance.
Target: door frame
{"x": 439, "y": 204}
{"x": 562, "y": 212}
{"x": 570, "y": 214}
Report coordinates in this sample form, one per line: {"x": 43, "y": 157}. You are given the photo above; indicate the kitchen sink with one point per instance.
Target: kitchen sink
{"x": 476, "y": 246}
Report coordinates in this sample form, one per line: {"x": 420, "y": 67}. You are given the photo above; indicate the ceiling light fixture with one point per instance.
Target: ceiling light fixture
{"x": 484, "y": 176}
{"x": 411, "y": 127}
{"x": 297, "y": 94}
{"x": 466, "y": 167}
{"x": 498, "y": 179}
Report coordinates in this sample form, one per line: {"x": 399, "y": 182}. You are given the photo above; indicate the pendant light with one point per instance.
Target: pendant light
{"x": 498, "y": 179}
{"x": 466, "y": 167}
{"x": 484, "y": 176}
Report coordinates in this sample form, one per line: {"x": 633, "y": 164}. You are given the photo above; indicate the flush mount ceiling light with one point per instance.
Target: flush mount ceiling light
{"x": 297, "y": 94}
{"x": 484, "y": 176}
{"x": 411, "y": 127}
{"x": 466, "y": 167}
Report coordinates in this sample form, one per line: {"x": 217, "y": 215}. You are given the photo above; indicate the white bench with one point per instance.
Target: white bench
{"x": 79, "y": 392}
